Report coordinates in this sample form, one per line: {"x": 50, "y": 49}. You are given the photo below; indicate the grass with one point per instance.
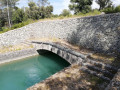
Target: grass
{"x": 29, "y": 21}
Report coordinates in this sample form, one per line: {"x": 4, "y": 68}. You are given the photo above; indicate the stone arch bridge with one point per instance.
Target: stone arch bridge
{"x": 94, "y": 67}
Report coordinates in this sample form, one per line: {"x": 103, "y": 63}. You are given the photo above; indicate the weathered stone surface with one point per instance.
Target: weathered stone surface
{"x": 71, "y": 78}
{"x": 6, "y": 57}
{"x": 115, "y": 83}
{"x": 99, "y": 33}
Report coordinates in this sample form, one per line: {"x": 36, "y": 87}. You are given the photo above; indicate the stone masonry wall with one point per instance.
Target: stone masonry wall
{"x": 99, "y": 33}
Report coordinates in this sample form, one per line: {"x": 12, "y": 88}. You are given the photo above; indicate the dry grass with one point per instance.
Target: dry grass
{"x": 103, "y": 57}
{"x": 15, "y": 48}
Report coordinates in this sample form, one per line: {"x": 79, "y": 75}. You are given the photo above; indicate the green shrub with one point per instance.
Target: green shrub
{"x": 22, "y": 24}
{"x": 109, "y": 10}
{"x": 92, "y": 13}
{"x": 18, "y": 16}
{"x": 5, "y": 29}
{"x": 65, "y": 12}
{"x": 117, "y": 9}
{"x": 112, "y": 10}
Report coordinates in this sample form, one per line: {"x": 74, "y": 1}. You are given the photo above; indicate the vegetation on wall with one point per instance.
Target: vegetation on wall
{"x": 12, "y": 17}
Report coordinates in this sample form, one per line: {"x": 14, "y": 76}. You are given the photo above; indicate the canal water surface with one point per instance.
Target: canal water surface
{"x": 21, "y": 74}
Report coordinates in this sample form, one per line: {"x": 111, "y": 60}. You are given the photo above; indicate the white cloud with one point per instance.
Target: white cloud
{"x": 60, "y": 5}
{"x": 116, "y": 2}
{"x": 22, "y": 3}
{"x": 66, "y": 3}
{"x": 94, "y": 5}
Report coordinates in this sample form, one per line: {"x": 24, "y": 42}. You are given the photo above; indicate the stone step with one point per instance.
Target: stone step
{"x": 101, "y": 65}
{"x": 86, "y": 70}
{"x": 106, "y": 73}
{"x": 99, "y": 70}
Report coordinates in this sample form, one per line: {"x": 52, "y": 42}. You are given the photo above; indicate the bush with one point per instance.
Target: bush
{"x": 92, "y": 13}
{"x": 65, "y": 12}
{"x": 22, "y": 24}
{"x": 109, "y": 10}
{"x": 117, "y": 9}
{"x": 18, "y": 16}
{"x": 5, "y": 29}
{"x": 112, "y": 10}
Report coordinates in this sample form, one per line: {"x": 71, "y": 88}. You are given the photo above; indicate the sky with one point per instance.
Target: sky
{"x": 59, "y": 5}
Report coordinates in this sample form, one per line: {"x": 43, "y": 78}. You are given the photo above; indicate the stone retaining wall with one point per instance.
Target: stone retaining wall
{"x": 99, "y": 33}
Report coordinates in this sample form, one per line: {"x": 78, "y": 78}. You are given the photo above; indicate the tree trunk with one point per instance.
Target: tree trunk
{"x": 9, "y": 22}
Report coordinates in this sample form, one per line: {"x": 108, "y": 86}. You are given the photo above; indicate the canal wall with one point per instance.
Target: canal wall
{"x": 16, "y": 55}
{"x": 98, "y": 33}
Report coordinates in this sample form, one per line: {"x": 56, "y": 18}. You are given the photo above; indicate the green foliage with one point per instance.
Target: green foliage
{"x": 80, "y": 6}
{"x": 109, "y": 10}
{"x": 55, "y": 15}
{"x": 4, "y": 29}
{"x": 18, "y": 16}
{"x": 112, "y": 9}
{"x": 65, "y": 12}
{"x": 117, "y": 9}
{"x": 35, "y": 12}
{"x": 48, "y": 11}
{"x": 11, "y": 3}
{"x": 92, "y": 13}
{"x": 2, "y": 22}
{"x": 21, "y": 24}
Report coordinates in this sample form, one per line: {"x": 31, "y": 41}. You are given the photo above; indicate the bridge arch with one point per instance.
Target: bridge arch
{"x": 68, "y": 54}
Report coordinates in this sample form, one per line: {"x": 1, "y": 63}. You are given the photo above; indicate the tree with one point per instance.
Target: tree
{"x": 18, "y": 16}
{"x": 80, "y": 6}
{"x": 32, "y": 12}
{"x": 48, "y": 11}
{"x": 9, "y": 4}
{"x": 65, "y": 12}
{"x": 38, "y": 12}
{"x": 104, "y": 4}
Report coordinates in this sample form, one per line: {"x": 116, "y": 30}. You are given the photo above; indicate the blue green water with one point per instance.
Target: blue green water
{"x": 21, "y": 74}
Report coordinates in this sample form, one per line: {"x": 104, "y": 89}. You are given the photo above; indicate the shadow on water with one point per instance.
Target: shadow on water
{"x": 52, "y": 56}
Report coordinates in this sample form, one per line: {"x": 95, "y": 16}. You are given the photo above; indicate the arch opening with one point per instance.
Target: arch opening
{"x": 53, "y": 56}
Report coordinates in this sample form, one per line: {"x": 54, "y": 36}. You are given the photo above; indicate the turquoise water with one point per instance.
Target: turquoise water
{"x": 21, "y": 74}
